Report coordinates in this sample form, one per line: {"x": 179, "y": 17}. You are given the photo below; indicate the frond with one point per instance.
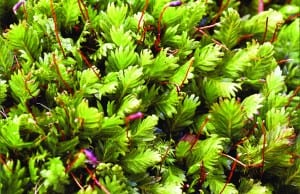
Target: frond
{"x": 166, "y": 104}
{"x": 12, "y": 177}
{"x": 208, "y": 58}
{"x": 185, "y": 112}
{"x": 6, "y": 57}
{"x": 23, "y": 86}
{"x": 121, "y": 58}
{"x": 228, "y": 30}
{"x": 252, "y": 104}
{"x": 138, "y": 160}
{"x": 130, "y": 78}
{"x": 145, "y": 130}
{"x": 228, "y": 119}
{"x": 215, "y": 88}
{"x": 257, "y": 24}
{"x": 88, "y": 118}
{"x": 24, "y": 38}
{"x": 54, "y": 175}
{"x": 274, "y": 82}
{"x": 263, "y": 62}
{"x": 162, "y": 68}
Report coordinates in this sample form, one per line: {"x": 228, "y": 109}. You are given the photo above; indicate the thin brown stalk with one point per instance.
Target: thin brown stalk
{"x": 56, "y": 28}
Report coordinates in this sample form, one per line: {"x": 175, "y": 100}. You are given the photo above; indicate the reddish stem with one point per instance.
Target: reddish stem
{"x": 266, "y": 29}
{"x": 203, "y": 173}
{"x": 60, "y": 76}
{"x": 93, "y": 177}
{"x": 85, "y": 59}
{"x": 56, "y": 27}
{"x": 187, "y": 72}
{"x": 222, "y": 8}
{"x": 230, "y": 174}
{"x": 170, "y": 4}
{"x": 143, "y": 13}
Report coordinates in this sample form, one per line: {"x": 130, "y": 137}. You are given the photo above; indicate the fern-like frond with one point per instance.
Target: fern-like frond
{"x": 228, "y": 30}
{"x": 166, "y": 104}
{"x": 121, "y": 58}
{"x": 216, "y": 184}
{"x": 25, "y": 39}
{"x": 162, "y": 68}
{"x": 6, "y": 57}
{"x": 185, "y": 112}
{"x": 208, "y": 57}
{"x": 145, "y": 130}
{"x": 54, "y": 175}
{"x": 252, "y": 104}
{"x": 138, "y": 160}
{"x": 88, "y": 118}
{"x": 12, "y": 177}
{"x": 215, "y": 88}
{"x": 274, "y": 82}
{"x": 130, "y": 78}
{"x": 257, "y": 24}
{"x": 228, "y": 119}
{"x": 208, "y": 151}
{"x": 23, "y": 86}
{"x": 130, "y": 104}
{"x": 262, "y": 63}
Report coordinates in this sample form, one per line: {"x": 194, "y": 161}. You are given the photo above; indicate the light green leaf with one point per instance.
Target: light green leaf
{"x": 145, "y": 130}
{"x": 138, "y": 160}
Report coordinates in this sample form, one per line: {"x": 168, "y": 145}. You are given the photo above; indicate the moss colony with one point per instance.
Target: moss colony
{"x": 154, "y": 96}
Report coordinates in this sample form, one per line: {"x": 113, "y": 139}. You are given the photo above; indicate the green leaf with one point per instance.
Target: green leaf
{"x": 228, "y": 119}
{"x": 88, "y": 118}
{"x": 145, "y": 130}
{"x": 252, "y": 104}
{"x": 10, "y": 135}
{"x": 13, "y": 177}
{"x": 54, "y": 175}
{"x": 70, "y": 13}
{"x": 121, "y": 58}
{"x": 239, "y": 61}
{"x": 166, "y": 104}
{"x": 130, "y": 78}
{"x": 120, "y": 37}
{"x": 229, "y": 28}
{"x": 257, "y": 24}
{"x": 24, "y": 38}
{"x": 162, "y": 68}
{"x": 248, "y": 186}
{"x": 183, "y": 73}
{"x": 217, "y": 182}
{"x": 263, "y": 61}
{"x": 286, "y": 44}
{"x": 6, "y": 57}
{"x": 215, "y": 88}
{"x": 208, "y": 151}
{"x": 88, "y": 79}
{"x": 274, "y": 82}
{"x": 23, "y": 86}
{"x": 130, "y": 104}
{"x": 138, "y": 160}
{"x": 185, "y": 112}
{"x": 208, "y": 57}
